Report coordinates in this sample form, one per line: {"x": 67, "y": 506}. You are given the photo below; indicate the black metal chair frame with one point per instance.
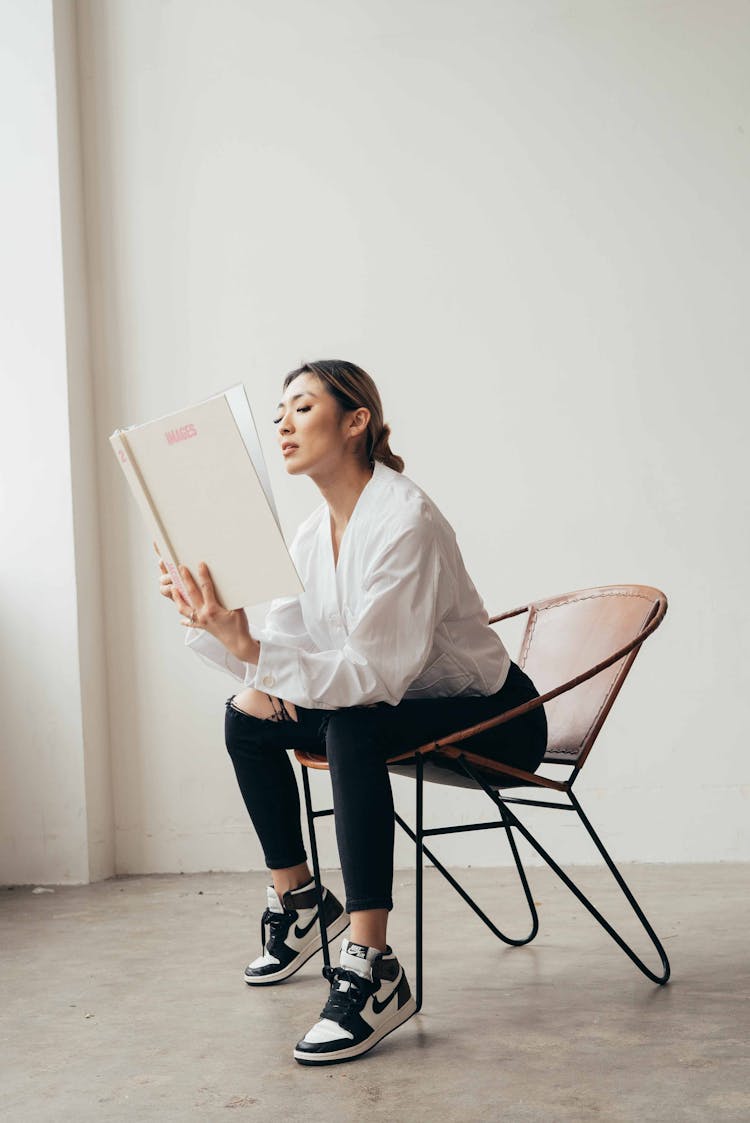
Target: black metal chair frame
{"x": 470, "y": 764}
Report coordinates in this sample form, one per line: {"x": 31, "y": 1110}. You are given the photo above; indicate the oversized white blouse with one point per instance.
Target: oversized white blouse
{"x": 397, "y": 616}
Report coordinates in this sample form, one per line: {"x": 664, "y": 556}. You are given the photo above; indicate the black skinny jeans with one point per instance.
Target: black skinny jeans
{"x": 357, "y": 740}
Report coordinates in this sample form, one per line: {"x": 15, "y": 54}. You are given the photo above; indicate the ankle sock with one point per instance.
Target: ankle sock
{"x": 359, "y": 958}
{"x": 275, "y": 903}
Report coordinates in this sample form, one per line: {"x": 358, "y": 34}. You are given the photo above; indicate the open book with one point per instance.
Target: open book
{"x": 200, "y": 480}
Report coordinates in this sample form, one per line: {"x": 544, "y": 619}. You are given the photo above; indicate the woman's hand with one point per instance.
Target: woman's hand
{"x": 228, "y": 625}
{"x": 202, "y": 609}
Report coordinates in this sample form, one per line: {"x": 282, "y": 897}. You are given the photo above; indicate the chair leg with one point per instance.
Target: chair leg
{"x": 419, "y": 875}
{"x": 316, "y": 865}
{"x": 514, "y": 821}
{"x": 660, "y": 979}
{"x": 522, "y": 877}
{"x": 421, "y": 850}
{"x": 513, "y": 942}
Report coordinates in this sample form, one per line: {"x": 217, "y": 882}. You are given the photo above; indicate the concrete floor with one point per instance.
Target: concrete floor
{"x": 125, "y": 1000}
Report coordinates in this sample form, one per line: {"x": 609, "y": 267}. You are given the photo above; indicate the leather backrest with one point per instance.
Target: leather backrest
{"x": 567, "y": 635}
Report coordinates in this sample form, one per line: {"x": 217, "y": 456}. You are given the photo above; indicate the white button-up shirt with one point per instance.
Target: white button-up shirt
{"x": 397, "y": 616}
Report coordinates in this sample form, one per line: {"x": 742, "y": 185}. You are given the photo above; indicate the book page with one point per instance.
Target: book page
{"x": 243, "y": 415}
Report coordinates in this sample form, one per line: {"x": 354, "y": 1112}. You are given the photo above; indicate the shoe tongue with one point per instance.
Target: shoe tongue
{"x": 274, "y": 904}
{"x": 357, "y": 957}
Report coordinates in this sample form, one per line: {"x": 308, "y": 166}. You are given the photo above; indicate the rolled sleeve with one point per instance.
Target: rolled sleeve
{"x": 388, "y": 643}
{"x": 285, "y": 625}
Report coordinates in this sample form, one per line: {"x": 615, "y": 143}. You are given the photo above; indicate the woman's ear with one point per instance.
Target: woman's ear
{"x": 359, "y": 421}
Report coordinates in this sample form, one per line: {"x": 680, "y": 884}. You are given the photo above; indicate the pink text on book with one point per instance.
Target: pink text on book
{"x": 182, "y": 434}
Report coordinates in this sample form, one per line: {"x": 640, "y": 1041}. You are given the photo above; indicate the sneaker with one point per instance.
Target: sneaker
{"x": 293, "y": 932}
{"x": 369, "y": 998}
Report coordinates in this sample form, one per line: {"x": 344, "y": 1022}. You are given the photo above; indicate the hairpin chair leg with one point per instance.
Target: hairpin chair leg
{"x": 311, "y": 815}
{"x": 419, "y": 836}
{"x": 515, "y": 822}
{"x": 419, "y": 874}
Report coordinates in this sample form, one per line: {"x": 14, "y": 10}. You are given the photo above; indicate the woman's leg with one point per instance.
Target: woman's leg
{"x": 258, "y": 743}
{"x": 259, "y": 731}
{"x": 370, "y": 994}
{"x": 363, "y": 812}
{"x": 358, "y": 742}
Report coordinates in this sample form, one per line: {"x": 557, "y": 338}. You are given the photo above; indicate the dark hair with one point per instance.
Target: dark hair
{"x": 353, "y": 388}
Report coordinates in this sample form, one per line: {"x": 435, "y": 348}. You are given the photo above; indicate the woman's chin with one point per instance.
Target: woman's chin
{"x": 293, "y": 469}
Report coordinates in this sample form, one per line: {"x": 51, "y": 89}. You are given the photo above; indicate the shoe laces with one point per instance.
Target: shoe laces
{"x": 279, "y": 924}
{"x": 348, "y": 999}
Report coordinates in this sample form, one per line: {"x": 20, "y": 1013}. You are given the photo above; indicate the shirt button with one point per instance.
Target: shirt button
{"x": 268, "y": 680}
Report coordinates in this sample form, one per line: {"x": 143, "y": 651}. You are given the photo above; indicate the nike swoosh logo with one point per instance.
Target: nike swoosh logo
{"x": 300, "y": 933}
{"x": 379, "y": 1007}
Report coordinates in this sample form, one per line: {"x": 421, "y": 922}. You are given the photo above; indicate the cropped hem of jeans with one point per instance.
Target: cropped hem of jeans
{"x": 361, "y": 904}
{"x": 283, "y": 864}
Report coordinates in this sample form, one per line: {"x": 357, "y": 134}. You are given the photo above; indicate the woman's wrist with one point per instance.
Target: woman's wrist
{"x": 248, "y": 650}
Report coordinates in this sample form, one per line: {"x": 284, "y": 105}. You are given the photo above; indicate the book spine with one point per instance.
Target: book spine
{"x": 138, "y": 487}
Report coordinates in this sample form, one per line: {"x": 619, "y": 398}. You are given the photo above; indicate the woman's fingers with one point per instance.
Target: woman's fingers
{"x": 207, "y": 587}
{"x": 200, "y": 596}
{"x": 192, "y": 591}
{"x": 183, "y": 606}
{"x": 167, "y": 588}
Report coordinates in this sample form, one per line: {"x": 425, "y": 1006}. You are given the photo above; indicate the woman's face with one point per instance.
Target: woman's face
{"x": 313, "y": 433}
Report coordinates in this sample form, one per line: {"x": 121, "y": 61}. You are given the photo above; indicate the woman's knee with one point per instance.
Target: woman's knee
{"x": 255, "y": 703}
{"x": 245, "y": 735}
{"x": 353, "y": 738}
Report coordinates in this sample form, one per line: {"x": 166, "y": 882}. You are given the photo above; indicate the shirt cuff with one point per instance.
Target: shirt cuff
{"x": 279, "y": 673}
{"x": 274, "y": 665}
{"x": 211, "y": 650}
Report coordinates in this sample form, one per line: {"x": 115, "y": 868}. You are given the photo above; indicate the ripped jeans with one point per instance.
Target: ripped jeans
{"x": 357, "y": 740}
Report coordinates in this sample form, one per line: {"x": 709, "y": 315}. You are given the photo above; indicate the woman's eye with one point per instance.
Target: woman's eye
{"x": 300, "y": 409}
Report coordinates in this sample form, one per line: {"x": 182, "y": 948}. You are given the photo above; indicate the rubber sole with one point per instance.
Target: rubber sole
{"x": 335, "y": 929}
{"x": 397, "y": 1019}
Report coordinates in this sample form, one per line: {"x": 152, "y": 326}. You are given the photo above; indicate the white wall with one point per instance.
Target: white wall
{"x": 529, "y": 222}
{"x": 55, "y": 796}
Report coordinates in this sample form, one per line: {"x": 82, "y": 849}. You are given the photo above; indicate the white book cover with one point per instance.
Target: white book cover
{"x": 200, "y": 480}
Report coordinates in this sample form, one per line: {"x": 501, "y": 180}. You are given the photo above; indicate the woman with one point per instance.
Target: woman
{"x": 388, "y": 647}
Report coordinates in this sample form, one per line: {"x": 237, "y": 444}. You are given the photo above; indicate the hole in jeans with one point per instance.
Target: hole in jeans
{"x": 280, "y": 712}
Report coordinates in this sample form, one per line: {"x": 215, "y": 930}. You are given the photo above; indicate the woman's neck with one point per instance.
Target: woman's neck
{"x": 342, "y": 490}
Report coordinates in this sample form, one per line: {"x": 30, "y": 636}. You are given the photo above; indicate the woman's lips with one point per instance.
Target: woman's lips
{"x": 290, "y": 448}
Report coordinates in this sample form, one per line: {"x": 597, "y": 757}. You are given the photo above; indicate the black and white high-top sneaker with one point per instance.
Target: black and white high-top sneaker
{"x": 369, "y": 998}
{"x": 293, "y": 932}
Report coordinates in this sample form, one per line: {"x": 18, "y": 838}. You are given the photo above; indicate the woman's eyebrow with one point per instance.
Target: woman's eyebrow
{"x": 295, "y": 396}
